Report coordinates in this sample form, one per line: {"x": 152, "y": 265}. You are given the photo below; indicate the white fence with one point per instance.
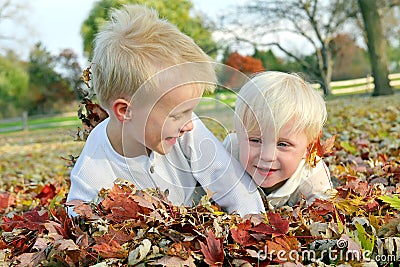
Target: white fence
{"x": 361, "y": 85}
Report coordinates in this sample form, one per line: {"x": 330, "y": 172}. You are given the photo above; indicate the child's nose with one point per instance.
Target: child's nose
{"x": 187, "y": 127}
{"x": 268, "y": 153}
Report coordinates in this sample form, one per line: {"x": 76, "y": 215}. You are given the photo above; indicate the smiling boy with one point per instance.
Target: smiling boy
{"x": 278, "y": 118}
{"x": 150, "y": 77}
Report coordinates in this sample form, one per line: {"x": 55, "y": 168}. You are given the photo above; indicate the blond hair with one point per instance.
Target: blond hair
{"x": 275, "y": 98}
{"x": 134, "y": 46}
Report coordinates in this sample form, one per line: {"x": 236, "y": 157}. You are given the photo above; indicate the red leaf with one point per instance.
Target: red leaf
{"x": 47, "y": 193}
{"x": 119, "y": 235}
{"x": 64, "y": 225}
{"x": 213, "y": 252}
{"x": 121, "y": 205}
{"x": 372, "y": 206}
{"x": 6, "y": 200}
{"x": 360, "y": 187}
{"x": 322, "y": 207}
{"x": 278, "y": 226}
{"x": 83, "y": 209}
{"x": 242, "y": 236}
{"x": 111, "y": 250}
{"x": 32, "y": 220}
{"x": 31, "y": 259}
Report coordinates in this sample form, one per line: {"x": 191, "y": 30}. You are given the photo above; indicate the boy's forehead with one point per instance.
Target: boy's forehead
{"x": 180, "y": 96}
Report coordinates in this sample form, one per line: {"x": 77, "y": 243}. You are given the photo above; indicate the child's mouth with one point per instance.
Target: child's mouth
{"x": 266, "y": 171}
{"x": 171, "y": 140}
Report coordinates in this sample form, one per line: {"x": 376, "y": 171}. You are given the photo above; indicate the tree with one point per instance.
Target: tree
{"x": 48, "y": 90}
{"x": 13, "y": 86}
{"x": 376, "y": 46}
{"x": 70, "y": 70}
{"x": 177, "y": 12}
{"x": 245, "y": 64}
{"x": 269, "y": 60}
{"x": 313, "y": 23}
{"x": 272, "y": 62}
{"x": 351, "y": 61}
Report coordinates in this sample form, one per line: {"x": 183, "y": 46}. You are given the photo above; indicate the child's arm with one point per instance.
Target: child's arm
{"x": 216, "y": 170}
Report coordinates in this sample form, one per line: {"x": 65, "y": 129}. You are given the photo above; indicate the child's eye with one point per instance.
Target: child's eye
{"x": 283, "y": 144}
{"x": 255, "y": 140}
{"x": 176, "y": 117}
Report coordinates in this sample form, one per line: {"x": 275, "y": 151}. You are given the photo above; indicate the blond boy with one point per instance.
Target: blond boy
{"x": 150, "y": 77}
{"x": 278, "y": 116}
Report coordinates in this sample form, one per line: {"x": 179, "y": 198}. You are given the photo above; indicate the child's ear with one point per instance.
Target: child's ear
{"x": 121, "y": 109}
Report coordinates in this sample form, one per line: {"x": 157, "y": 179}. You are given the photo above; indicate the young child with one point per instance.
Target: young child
{"x": 149, "y": 76}
{"x": 278, "y": 117}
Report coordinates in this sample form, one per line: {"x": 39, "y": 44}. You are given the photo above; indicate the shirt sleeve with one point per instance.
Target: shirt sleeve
{"x": 217, "y": 171}
{"x": 231, "y": 144}
{"x": 81, "y": 190}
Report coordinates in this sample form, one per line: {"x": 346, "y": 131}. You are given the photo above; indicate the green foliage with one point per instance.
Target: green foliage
{"x": 272, "y": 62}
{"x": 393, "y": 201}
{"x": 367, "y": 240}
{"x": 394, "y": 59}
{"x": 177, "y": 12}
{"x": 13, "y": 87}
{"x": 48, "y": 90}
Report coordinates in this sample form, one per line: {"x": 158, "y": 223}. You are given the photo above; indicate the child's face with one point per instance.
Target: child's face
{"x": 164, "y": 120}
{"x": 271, "y": 160}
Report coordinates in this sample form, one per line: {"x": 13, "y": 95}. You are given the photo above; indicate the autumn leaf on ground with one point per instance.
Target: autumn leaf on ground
{"x": 367, "y": 240}
{"x": 322, "y": 207}
{"x": 277, "y": 227}
{"x": 361, "y": 188}
{"x": 175, "y": 262}
{"x": 327, "y": 146}
{"x": 82, "y": 208}
{"x": 241, "y": 234}
{"x": 392, "y": 200}
{"x": 213, "y": 250}
{"x": 6, "y": 200}
{"x": 121, "y": 205}
{"x": 47, "y": 193}
{"x": 32, "y": 220}
{"x": 111, "y": 250}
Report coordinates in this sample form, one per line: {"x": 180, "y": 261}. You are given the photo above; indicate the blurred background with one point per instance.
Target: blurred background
{"x": 343, "y": 47}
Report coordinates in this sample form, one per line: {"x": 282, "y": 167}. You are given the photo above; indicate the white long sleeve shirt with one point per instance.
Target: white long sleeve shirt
{"x": 310, "y": 182}
{"x": 197, "y": 158}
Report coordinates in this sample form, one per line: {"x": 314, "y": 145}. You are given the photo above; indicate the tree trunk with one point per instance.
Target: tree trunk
{"x": 376, "y": 46}
{"x": 325, "y": 68}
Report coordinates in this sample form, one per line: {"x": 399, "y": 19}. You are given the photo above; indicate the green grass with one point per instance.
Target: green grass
{"x": 41, "y": 123}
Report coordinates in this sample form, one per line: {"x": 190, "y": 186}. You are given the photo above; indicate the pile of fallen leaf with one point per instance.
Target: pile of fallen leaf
{"x": 358, "y": 225}
{"x": 129, "y": 227}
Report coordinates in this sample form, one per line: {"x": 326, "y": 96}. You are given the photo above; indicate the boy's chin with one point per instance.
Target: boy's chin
{"x": 163, "y": 150}
{"x": 271, "y": 188}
